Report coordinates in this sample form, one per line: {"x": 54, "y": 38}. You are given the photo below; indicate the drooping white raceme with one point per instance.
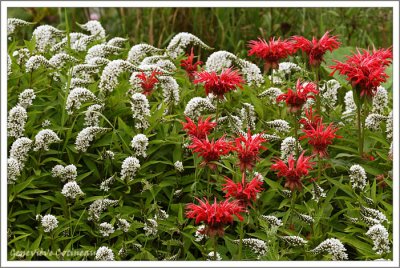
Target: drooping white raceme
{"x": 288, "y": 68}
{"x": 251, "y": 72}
{"x": 13, "y": 170}
{"x": 20, "y": 149}
{"x": 82, "y": 43}
{"x": 373, "y": 121}
{"x": 389, "y": 126}
{"x": 95, "y": 28}
{"x": 44, "y": 138}
{"x": 129, "y": 168}
{"x": 305, "y": 218}
{"x": 46, "y": 123}
{"x": 98, "y": 206}
{"x": 26, "y": 97}
{"x": 317, "y": 192}
{"x": 35, "y": 62}
{"x": 179, "y": 166}
{"x": 99, "y": 61}
{"x": 60, "y": 59}
{"x": 181, "y": 41}
{"x": 380, "y": 101}
{"x": 140, "y": 110}
{"x": 86, "y": 136}
{"x": 101, "y": 51}
{"x": 288, "y": 147}
{"x": 161, "y": 215}
{"x": 294, "y": 241}
{"x": 105, "y": 185}
{"x": 92, "y": 115}
{"x": 196, "y": 106}
{"x": 84, "y": 71}
{"x": 161, "y": 62}
{"x": 150, "y": 227}
{"x": 279, "y": 125}
{"x": 75, "y": 98}
{"x": 350, "y": 107}
{"x": 271, "y": 93}
{"x": 272, "y": 220}
{"x": 13, "y": 24}
{"x": 138, "y": 52}
{"x": 380, "y": 238}
{"x": 374, "y": 215}
{"x": 234, "y": 122}
{"x": 210, "y": 256}
{"x": 16, "y": 121}
{"x": 21, "y": 56}
{"x": 45, "y": 36}
{"x": 328, "y": 93}
{"x": 71, "y": 190}
{"x": 248, "y": 115}
{"x": 117, "y": 41}
{"x": 220, "y": 60}
{"x": 106, "y": 229}
{"x": 104, "y": 254}
{"x": 49, "y": 223}
{"x": 139, "y": 144}
{"x": 258, "y": 246}
{"x": 358, "y": 177}
{"x": 67, "y": 173}
{"x": 170, "y": 89}
{"x": 333, "y": 247}
{"x": 109, "y": 77}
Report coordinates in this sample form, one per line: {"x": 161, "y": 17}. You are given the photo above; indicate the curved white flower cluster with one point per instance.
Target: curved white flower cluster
{"x": 271, "y": 93}
{"x": 106, "y": 229}
{"x": 358, "y": 177}
{"x": 248, "y": 115}
{"x": 317, "y": 192}
{"x": 140, "y": 110}
{"x": 49, "y": 223}
{"x": 75, "y": 98}
{"x": 159, "y": 63}
{"x": 234, "y": 122}
{"x": 13, "y": 24}
{"x": 110, "y": 74}
{"x": 389, "y": 126}
{"x": 380, "y": 101}
{"x": 60, "y": 59}
{"x": 34, "y": 62}
{"x": 95, "y": 29}
{"x": 129, "y": 168}
{"x": 104, "y": 254}
{"x": 19, "y": 151}
{"x": 170, "y": 89}
{"x": 281, "y": 126}
{"x": 105, "y": 185}
{"x": 350, "y": 107}
{"x": 305, "y": 218}
{"x": 333, "y": 247}
{"x": 328, "y": 93}
{"x": 196, "y": 106}
{"x": 44, "y": 138}
{"x": 67, "y": 173}
{"x": 16, "y": 121}
{"x": 380, "y": 237}
{"x": 101, "y": 51}
{"x": 293, "y": 240}
{"x": 373, "y": 121}
{"x": 46, "y": 37}
{"x": 138, "y": 52}
{"x": 92, "y": 115}
{"x": 181, "y": 41}
{"x": 98, "y": 206}
{"x": 87, "y": 135}
{"x": 26, "y": 97}
{"x": 179, "y": 166}
{"x": 210, "y": 256}
{"x": 288, "y": 147}
{"x": 123, "y": 225}
{"x": 139, "y": 144}
{"x": 21, "y": 56}
{"x": 150, "y": 227}
{"x": 13, "y": 170}
{"x": 372, "y": 216}
{"x": 71, "y": 190}
{"x": 272, "y": 220}
{"x": 257, "y": 246}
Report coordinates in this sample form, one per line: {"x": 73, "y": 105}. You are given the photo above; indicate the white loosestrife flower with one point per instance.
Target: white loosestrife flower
{"x": 101, "y": 51}
{"x": 98, "y": 61}
{"x": 84, "y": 71}
{"x": 374, "y": 215}
{"x": 234, "y": 122}
{"x": 76, "y": 97}
{"x": 44, "y": 138}
{"x": 71, "y": 190}
{"x": 317, "y": 192}
{"x": 13, "y": 24}
{"x": 46, "y": 123}
{"x": 16, "y": 121}
{"x": 60, "y": 59}
{"x": 129, "y": 168}
{"x": 105, "y": 185}
{"x": 179, "y": 166}
{"x": 21, "y": 55}
{"x": 294, "y": 241}
{"x": 68, "y": 173}
{"x": 98, "y": 206}
{"x": 26, "y": 97}
{"x": 45, "y": 36}
{"x": 150, "y": 227}
{"x": 328, "y": 93}
{"x": 358, "y": 177}
{"x": 110, "y": 74}
{"x": 104, "y": 254}
{"x": 350, "y": 107}
{"x": 181, "y": 41}
{"x": 140, "y": 110}
{"x": 380, "y": 238}
{"x": 257, "y": 246}
{"x": 196, "y": 106}
{"x": 13, "y": 170}
{"x": 95, "y": 28}
{"x": 247, "y": 114}
{"x": 49, "y": 223}
{"x": 92, "y": 115}
{"x": 305, "y": 218}
{"x": 106, "y": 229}
{"x": 251, "y": 72}
{"x": 271, "y": 93}
{"x": 389, "y": 126}
{"x": 373, "y": 121}
{"x": 138, "y": 52}
{"x": 281, "y": 126}
{"x": 117, "y": 41}
{"x": 380, "y": 101}
{"x": 20, "y": 149}
{"x": 272, "y": 220}
{"x": 139, "y": 144}
{"x": 288, "y": 68}
{"x": 333, "y": 247}
{"x": 86, "y": 136}
{"x": 170, "y": 89}
{"x": 288, "y": 147}
{"x": 123, "y": 225}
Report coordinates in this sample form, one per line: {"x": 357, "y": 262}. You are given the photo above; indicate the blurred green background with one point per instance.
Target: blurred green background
{"x": 224, "y": 28}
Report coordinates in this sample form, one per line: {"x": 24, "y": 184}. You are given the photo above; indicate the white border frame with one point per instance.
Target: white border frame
{"x": 393, "y": 4}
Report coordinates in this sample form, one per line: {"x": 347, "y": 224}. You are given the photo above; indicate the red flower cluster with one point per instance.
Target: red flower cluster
{"x": 293, "y": 171}
{"x": 271, "y": 52}
{"x": 316, "y": 49}
{"x": 311, "y": 120}
{"x": 201, "y": 130}
{"x": 215, "y": 216}
{"x": 320, "y": 137}
{"x": 296, "y": 99}
{"x": 248, "y": 148}
{"x": 148, "y": 82}
{"x": 210, "y": 151}
{"x": 365, "y": 70}
{"x": 245, "y": 192}
{"x": 189, "y": 66}
{"x": 227, "y": 81}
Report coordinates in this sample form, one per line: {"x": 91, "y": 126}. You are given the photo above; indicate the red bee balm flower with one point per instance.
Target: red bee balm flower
{"x": 311, "y": 120}
{"x": 316, "y": 49}
{"x": 216, "y": 216}
{"x": 320, "y": 137}
{"x": 210, "y": 151}
{"x": 148, "y": 82}
{"x": 248, "y": 148}
{"x": 227, "y": 81}
{"x": 245, "y": 192}
{"x": 365, "y": 70}
{"x": 271, "y": 52}
{"x": 296, "y": 99}
{"x": 201, "y": 130}
{"x": 189, "y": 66}
{"x": 293, "y": 171}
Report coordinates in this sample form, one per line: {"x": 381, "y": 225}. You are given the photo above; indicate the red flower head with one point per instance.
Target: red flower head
{"x": 271, "y": 52}
{"x": 216, "y": 216}
{"x": 248, "y": 148}
{"x": 245, "y": 192}
{"x": 211, "y": 151}
{"x": 219, "y": 84}
{"x": 292, "y": 171}
{"x": 315, "y": 49}
{"x": 365, "y": 70}
{"x": 311, "y": 120}
{"x": 148, "y": 82}
{"x": 201, "y": 130}
{"x": 189, "y": 66}
{"x": 320, "y": 137}
{"x": 296, "y": 99}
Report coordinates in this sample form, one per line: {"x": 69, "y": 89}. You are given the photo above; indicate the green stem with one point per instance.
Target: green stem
{"x": 360, "y": 131}
{"x": 296, "y": 135}
{"x": 241, "y": 240}
{"x": 216, "y": 118}
{"x": 215, "y": 247}
{"x": 318, "y": 97}
{"x": 319, "y": 167}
